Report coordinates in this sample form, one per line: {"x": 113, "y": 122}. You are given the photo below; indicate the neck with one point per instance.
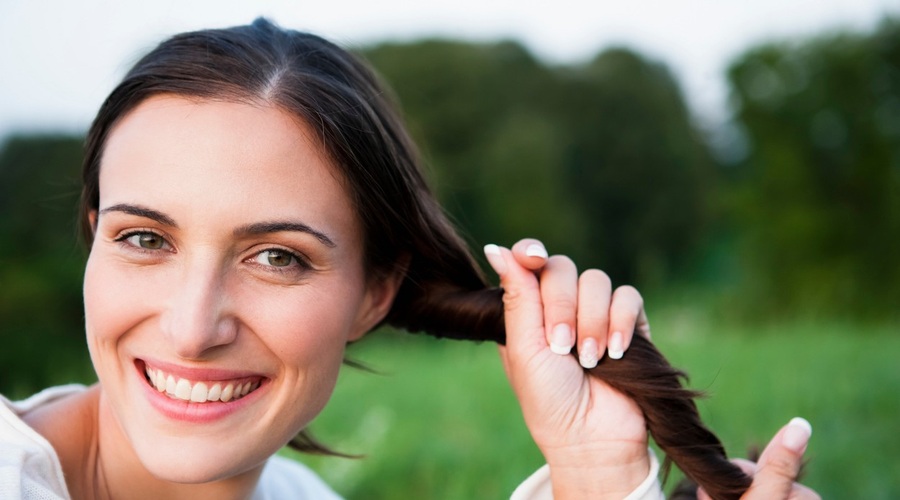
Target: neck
{"x": 99, "y": 462}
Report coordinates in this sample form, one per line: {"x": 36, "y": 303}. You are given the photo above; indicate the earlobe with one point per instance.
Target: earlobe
{"x": 92, "y": 219}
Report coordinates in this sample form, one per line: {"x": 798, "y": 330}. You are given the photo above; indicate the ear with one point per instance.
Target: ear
{"x": 380, "y": 293}
{"x": 92, "y": 219}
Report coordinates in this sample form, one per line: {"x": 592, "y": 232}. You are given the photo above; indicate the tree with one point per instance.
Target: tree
{"x": 817, "y": 198}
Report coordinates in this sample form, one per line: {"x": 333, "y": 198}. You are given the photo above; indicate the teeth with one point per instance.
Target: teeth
{"x": 198, "y": 392}
{"x": 226, "y": 393}
{"x": 214, "y": 393}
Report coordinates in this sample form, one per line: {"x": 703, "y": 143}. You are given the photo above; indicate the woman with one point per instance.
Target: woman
{"x": 252, "y": 205}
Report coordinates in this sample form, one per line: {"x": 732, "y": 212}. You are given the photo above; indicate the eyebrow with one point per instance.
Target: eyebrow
{"x": 139, "y": 211}
{"x": 242, "y": 231}
{"x": 280, "y": 226}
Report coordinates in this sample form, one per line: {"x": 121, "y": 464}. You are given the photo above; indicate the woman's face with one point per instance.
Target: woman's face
{"x": 225, "y": 279}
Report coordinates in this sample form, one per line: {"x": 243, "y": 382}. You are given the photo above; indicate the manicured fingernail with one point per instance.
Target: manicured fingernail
{"x": 536, "y": 250}
{"x": 616, "y": 348}
{"x": 588, "y": 354}
{"x": 561, "y": 339}
{"x": 495, "y": 259}
{"x": 797, "y": 434}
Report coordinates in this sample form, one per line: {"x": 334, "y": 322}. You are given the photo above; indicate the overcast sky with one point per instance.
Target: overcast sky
{"x": 60, "y": 58}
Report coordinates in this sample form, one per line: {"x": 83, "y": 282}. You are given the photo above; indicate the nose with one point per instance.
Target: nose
{"x": 198, "y": 318}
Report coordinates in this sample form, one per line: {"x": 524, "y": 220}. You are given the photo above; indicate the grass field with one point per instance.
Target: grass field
{"x": 440, "y": 422}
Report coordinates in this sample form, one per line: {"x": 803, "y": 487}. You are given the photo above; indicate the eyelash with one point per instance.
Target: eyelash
{"x": 123, "y": 239}
{"x": 300, "y": 261}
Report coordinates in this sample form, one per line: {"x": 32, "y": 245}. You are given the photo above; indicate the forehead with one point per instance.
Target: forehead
{"x": 233, "y": 158}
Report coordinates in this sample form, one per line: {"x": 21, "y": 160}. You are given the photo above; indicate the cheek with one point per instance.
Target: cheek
{"x": 302, "y": 326}
{"x": 111, "y": 307}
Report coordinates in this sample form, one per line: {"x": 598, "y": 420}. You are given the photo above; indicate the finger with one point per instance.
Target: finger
{"x": 624, "y": 312}
{"x": 530, "y": 253}
{"x": 522, "y": 308}
{"x": 559, "y": 292}
{"x": 592, "y": 322}
{"x": 780, "y": 462}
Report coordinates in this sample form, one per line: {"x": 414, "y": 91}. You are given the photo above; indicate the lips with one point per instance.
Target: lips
{"x": 200, "y": 391}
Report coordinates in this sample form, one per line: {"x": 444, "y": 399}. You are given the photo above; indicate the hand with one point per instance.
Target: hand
{"x": 593, "y": 437}
{"x": 778, "y": 466}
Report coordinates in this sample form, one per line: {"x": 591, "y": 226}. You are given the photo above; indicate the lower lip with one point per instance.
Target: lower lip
{"x": 211, "y": 411}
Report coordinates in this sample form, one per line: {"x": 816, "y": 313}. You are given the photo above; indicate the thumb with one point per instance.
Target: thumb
{"x": 522, "y": 306}
{"x": 780, "y": 462}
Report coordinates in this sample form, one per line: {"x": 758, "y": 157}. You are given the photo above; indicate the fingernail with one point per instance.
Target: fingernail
{"x": 616, "y": 348}
{"x": 797, "y": 434}
{"x": 536, "y": 250}
{"x": 561, "y": 339}
{"x": 495, "y": 259}
{"x": 588, "y": 353}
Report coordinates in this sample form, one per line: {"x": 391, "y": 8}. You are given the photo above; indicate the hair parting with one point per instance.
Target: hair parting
{"x": 444, "y": 292}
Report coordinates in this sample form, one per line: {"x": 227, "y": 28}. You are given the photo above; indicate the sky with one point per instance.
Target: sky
{"x": 60, "y": 58}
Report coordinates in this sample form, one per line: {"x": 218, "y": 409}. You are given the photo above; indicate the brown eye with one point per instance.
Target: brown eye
{"x": 145, "y": 240}
{"x": 275, "y": 258}
{"x": 150, "y": 241}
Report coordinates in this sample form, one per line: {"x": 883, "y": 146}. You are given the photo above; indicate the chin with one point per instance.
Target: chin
{"x": 188, "y": 462}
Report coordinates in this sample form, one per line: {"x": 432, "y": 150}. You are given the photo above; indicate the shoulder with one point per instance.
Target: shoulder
{"x": 286, "y": 478}
{"x": 29, "y": 465}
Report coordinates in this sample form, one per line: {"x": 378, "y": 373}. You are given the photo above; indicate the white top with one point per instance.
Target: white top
{"x": 30, "y": 468}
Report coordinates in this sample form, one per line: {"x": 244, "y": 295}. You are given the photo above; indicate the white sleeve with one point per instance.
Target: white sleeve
{"x": 539, "y": 487}
{"x": 286, "y": 478}
{"x": 29, "y": 467}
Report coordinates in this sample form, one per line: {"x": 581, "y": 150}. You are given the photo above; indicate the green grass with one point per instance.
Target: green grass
{"x": 442, "y": 422}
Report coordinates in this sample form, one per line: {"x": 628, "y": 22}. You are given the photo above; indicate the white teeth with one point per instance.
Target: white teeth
{"x": 226, "y": 393}
{"x": 198, "y": 392}
{"x": 214, "y": 393}
{"x": 183, "y": 390}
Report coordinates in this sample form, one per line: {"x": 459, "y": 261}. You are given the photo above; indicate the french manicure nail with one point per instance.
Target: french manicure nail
{"x": 616, "y": 349}
{"x": 536, "y": 250}
{"x": 561, "y": 339}
{"x": 588, "y": 354}
{"x": 797, "y": 434}
{"x": 495, "y": 259}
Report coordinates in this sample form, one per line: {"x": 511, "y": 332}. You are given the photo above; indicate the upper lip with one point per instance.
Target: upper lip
{"x": 197, "y": 374}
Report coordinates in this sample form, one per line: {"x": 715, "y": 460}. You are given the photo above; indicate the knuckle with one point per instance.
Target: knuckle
{"x": 562, "y": 261}
{"x": 596, "y": 276}
{"x": 629, "y": 292}
{"x": 512, "y": 298}
{"x": 781, "y": 465}
{"x": 563, "y": 303}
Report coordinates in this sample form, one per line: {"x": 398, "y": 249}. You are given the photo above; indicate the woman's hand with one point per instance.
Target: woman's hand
{"x": 778, "y": 466}
{"x": 593, "y": 438}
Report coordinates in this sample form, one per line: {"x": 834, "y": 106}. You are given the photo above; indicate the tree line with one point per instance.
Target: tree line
{"x": 793, "y": 206}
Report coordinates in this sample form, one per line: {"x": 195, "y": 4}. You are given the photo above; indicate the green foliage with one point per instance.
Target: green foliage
{"x": 599, "y": 160}
{"x": 817, "y": 199}
{"x": 431, "y": 432}
{"x": 40, "y": 264}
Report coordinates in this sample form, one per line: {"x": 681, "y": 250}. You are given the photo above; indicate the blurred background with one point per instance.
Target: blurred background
{"x": 739, "y": 164}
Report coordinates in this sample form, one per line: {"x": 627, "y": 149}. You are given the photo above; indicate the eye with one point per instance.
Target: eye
{"x": 276, "y": 258}
{"x": 145, "y": 240}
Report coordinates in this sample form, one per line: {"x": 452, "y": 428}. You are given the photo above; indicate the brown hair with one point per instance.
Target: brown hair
{"x": 444, "y": 292}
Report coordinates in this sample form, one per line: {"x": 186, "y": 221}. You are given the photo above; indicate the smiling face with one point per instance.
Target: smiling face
{"x": 224, "y": 281}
